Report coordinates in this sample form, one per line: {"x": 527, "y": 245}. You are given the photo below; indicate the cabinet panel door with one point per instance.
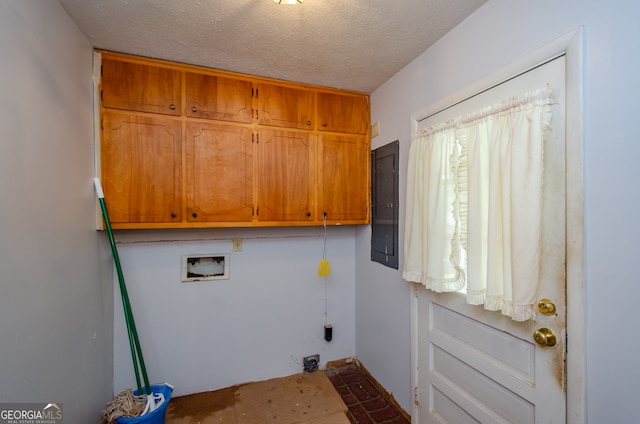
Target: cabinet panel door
{"x": 284, "y": 176}
{"x": 343, "y": 113}
{"x": 144, "y": 88}
{"x": 343, "y": 178}
{"x": 216, "y": 97}
{"x": 285, "y": 106}
{"x": 219, "y": 173}
{"x": 141, "y": 168}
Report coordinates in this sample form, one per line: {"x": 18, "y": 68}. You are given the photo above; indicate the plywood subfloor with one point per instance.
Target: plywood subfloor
{"x": 307, "y": 398}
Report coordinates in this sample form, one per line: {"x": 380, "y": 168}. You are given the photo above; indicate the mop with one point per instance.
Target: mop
{"x": 125, "y": 402}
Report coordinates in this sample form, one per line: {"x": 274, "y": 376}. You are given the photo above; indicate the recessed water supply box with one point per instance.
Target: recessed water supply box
{"x": 205, "y": 267}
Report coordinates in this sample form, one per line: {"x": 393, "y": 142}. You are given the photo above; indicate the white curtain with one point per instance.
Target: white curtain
{"x": 474, "y": 202}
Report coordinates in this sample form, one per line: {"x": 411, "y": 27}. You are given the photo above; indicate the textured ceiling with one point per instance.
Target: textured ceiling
{"x": 349, "y": 44}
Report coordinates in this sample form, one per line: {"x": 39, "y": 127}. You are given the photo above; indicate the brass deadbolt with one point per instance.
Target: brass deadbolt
{"x": 546, "y": 307}
{"x": 545, "y": 337}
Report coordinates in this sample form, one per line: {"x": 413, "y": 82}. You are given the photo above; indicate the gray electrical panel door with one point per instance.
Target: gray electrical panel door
{"x": 384, "y": 210}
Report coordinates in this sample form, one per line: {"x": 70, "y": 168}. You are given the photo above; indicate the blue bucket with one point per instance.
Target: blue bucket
{"x": 157, "y": 415}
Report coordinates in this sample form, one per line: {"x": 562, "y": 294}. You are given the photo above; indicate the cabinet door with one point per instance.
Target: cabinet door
{"x": 144, "y": 88}
{"x": 343, "y": 113}
{"x": 285, "y": 175}
{"x": 216, "y": 97}
{"x": 141, "y": 168}
{"x": 343, "y": 178}
{"x": 282, "y": 106}
{"x": 219, "y": 173}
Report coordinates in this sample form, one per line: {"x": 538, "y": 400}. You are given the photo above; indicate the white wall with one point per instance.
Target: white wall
{"x": 56, "y": 314}
{"x": 256, "y": 325}
{"x": 497, "y": 34}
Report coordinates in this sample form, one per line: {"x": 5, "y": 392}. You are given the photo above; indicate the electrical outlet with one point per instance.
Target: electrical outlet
{"x": 311, "y": 363}
{"x": 237, "y": 245}
{"x": 375, "y": 129}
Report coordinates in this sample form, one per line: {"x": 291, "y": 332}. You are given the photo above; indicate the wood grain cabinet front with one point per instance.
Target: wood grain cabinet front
{"x": 343, "y": 178}
{"x": 220, "y": 178}
{"x": 189, "y": 147}
{"x": 218, "y": 97}
{"x": 142, "y": 168}
{"x": 284, "y": 106}
{"x": 140, "y": 87}
{"x": 343, "y": 113}
{"x": 285, "y": 175}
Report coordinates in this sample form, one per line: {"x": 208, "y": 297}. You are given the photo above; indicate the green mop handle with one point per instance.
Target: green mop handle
{"x": 134, "y": 341}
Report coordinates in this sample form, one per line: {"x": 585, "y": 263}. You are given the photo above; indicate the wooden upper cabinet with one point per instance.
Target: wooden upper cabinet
{"x": 343, "y": 178}
{"x": 285, "y": 175}
{"x": 344, "y": 113}
{"x": 284, "y": 106}
{"x": 138, "y": 87}
{"x": 189, "y": 147}
{"x": 220, "y": 177}
{"x": 217, "y": 97}
{"x": 141, "y": 168}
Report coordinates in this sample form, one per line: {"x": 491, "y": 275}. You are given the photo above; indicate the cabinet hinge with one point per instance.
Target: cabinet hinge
{"x": 256, "y": 93}
{"x": 257, "y": 210}
{"x": 252, "y": 92}
{"x": 416, "y": 398}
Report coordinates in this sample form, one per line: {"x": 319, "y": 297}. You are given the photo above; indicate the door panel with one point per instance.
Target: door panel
{"x": 219, "y": 173}
{"x": 344, "y": 113}
{"x": 217, "y": 97}
{"x": 285, "y": 175}
{"x": 141, "y": 168}
{"x": 385, "y": 202}
{"x": 480, "y": 366}
{"x": 342, "y": 178}
{"x": 145, "y": 88}
{"x": 284, "y": 106}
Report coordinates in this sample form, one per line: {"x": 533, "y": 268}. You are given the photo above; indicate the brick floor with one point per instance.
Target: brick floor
{"x": 365, "y": 402}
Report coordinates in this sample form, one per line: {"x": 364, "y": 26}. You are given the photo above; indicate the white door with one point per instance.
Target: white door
{"x": 477, "y": 366}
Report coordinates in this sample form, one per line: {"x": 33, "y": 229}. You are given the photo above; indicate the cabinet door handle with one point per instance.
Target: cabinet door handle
{"x": 308, "y": 213}
{"x": 193, "y": 214}
{"x": 324, "y": 124}
{"x": 308, "y": 122}
{"x": 172, "y": 106}
{"x": 173, "y": 214}
{"x": 194, "y": 109}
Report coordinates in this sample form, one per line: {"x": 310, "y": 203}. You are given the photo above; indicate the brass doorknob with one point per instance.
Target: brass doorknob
{"x": 545, "y": 337}
{"x": 546, "y": 307}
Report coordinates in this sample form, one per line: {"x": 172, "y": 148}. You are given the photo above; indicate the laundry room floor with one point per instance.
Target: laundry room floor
{"x": 307, "y": 398}
{"x": 337, "y": 395}
{"x": 365, "y": 402}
